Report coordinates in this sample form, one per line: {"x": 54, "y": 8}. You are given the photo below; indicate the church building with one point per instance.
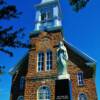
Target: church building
{"x": 52, "y": 69}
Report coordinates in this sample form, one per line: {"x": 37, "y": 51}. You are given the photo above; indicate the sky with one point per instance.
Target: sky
{"x": 81, "y": 29}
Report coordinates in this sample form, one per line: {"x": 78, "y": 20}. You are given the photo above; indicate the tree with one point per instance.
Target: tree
{"x": 78, "y": 4}
{"x": 12, "y": 38}
{"x": 8, "y": 36}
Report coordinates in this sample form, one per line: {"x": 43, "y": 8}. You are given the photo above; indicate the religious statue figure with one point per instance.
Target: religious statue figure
{"x": 62, "y": 59}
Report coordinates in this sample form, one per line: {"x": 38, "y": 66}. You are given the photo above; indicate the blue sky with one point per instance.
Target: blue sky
{"x": 80, "y": 29}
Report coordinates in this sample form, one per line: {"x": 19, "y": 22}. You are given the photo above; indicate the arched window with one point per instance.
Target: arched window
{"x": 22, "y": 82}
{"x": 46, "y": 14}
{"x": 82, "y": 96}
{"x": 20, "y": 98}
{"x": 48, "y": 60}
{"x": 40, "y": 61}
{"x": 43, "y": 93}
{"x": 80, "y": 78}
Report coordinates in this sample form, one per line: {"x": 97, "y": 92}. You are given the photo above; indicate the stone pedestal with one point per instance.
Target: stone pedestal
{"x": 62, "y": 89}
{"x": 66, "y": 76}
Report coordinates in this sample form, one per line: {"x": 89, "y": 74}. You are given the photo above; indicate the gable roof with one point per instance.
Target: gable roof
{"x": 87, "y": 59}
{"x": 14, "y": 69}
{"x": 74, "y": 55}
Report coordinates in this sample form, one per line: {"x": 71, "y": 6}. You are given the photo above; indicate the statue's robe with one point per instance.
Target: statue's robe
{"x": 62, "y": 58}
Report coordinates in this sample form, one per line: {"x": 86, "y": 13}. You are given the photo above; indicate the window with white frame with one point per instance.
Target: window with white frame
{"x": 80, "y": 78}
{"x": 43, "y": 93}
{"x": 22, "y": 82}
{"x": 40, "y": 61}
{"x": 82, "y": 96}
{"x": 20, "y": 98}
{"x": 48, "y": 60}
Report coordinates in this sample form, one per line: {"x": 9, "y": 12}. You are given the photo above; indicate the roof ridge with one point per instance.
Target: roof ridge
{"x": 83, "y": 54}
{"x": 13, "y": 69}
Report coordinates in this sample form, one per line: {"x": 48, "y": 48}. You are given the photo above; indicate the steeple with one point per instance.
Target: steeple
{"x": 48, "y": 15}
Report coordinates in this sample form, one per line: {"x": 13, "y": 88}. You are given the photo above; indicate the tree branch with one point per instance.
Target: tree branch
{"x": 6, "y": 51}
{"x": 78, "y": 4}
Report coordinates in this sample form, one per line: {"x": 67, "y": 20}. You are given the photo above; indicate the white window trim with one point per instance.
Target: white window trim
{"x": 39, "y": 89}
{"x": 78, "y": 81}
{"x": 82, "y": 93}
{"x": 46, "y": 61}
{"x": 37, "y": 60}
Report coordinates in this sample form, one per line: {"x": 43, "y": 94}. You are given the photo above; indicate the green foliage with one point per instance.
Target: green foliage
{"x": 8, "y": 11}
{"x": 12, "y": 38}
{"x": 8, "y": 36}
{"x": 78, "y": 4}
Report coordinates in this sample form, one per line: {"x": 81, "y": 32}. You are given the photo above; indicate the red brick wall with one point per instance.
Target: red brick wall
{"x": 15, "y": 88}
{"x": 33, "y": 86}
{"x": 89, "y": 87}
{"x": 36, "y": 79}
{"x": 43, "y": 42}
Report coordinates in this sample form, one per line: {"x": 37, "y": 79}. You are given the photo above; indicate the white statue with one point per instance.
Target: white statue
{"x": 62, "y": 59}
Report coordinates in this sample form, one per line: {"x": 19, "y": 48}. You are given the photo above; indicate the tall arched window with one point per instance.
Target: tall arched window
{"x": 82, "y": 96}
{"x": 48, "y": 60}
{"x": 22, "y": 82}
{"x": 20, "y": 98}
{"x": 43, "y": 93}
{"x": 40, "y": 61}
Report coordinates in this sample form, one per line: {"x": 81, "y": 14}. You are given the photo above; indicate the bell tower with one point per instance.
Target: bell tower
{"x": 48, "y": 15}
{"x": 52, "y": 69}
{"x": 42, "y": 65}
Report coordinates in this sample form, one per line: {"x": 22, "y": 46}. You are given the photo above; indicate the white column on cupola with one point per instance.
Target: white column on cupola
{"x": 56, "y": 13}
{"x": 48, "y": 15}
{"x": 38, "y": 20}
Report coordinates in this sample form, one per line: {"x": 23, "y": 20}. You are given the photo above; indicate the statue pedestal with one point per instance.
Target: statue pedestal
{"x": 66, "y": 76}
{"x": 63, "y": 87}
